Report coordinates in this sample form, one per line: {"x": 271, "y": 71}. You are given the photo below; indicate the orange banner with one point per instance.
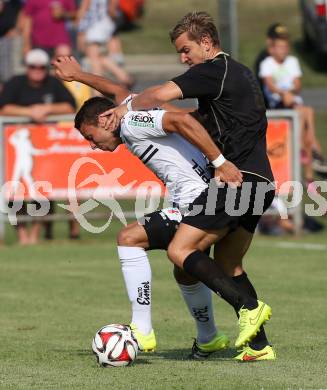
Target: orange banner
{"x": 59, "y": 155}
{"x": 55, "y": 160}
{"x": 280, "y": 151}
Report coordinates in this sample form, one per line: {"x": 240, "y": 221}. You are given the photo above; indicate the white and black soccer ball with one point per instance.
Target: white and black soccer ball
{"x": 114, "y": 346}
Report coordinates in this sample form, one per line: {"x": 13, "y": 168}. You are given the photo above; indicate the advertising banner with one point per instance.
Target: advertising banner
{"x": 279, "y": 149}
{"x": 54, "y": 160}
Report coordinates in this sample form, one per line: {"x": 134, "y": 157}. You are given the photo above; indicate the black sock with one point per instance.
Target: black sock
{"x": 202, "y": 267}
{"x": 260, "y": 340}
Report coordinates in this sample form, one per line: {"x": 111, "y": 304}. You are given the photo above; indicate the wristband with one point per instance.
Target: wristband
{"x": 218, "y": 161}
{"x": 129, "y": 105}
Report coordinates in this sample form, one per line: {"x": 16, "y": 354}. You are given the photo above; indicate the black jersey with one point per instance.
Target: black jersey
{"x": 233, "y": 110}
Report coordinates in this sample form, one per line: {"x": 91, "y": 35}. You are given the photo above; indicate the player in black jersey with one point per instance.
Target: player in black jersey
{"x": 231, "y": 108}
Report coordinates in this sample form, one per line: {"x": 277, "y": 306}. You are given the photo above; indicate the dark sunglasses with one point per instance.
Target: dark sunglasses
{"x": 40, "y": 67}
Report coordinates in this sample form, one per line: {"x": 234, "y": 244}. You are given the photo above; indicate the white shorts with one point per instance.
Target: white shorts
{"x": 100, "y": 32}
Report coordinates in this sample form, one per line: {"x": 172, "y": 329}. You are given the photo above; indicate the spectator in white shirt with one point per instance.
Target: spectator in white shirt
{"x": 281, "y": 74}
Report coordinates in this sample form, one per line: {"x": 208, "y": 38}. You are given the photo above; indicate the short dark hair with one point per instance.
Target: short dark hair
{"x": 197, "y": 25}
{"x": 91, "y": 109}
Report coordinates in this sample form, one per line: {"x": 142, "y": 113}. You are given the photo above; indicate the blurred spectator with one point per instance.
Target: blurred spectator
{"x": 274, "y": 31}
{"x": 81, "y": 92}
{"x": 96, "y": 29}
{"x": 115, "y": 47}
{"x": 9, "y": 11}
{"x": 281, "y": 76}
{"x": 35, "y": 94}
{"x": 124, "y": 13}
{"x": 272, "y": 224}
{"x": 45, "y": 24}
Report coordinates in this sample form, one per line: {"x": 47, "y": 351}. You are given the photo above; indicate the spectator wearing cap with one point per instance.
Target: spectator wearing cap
{"x": 45, "y": 24}
{"x": 281, "y": 76}
{"x": 274, "y": 31}
{"x": 36, "y": 95}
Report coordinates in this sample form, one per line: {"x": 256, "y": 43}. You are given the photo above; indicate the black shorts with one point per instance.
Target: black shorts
{"x": 160, "y": 227}
{"x": 220, "y": 206}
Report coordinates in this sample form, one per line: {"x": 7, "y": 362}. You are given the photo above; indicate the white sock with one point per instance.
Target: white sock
{"x": 137, "y": 275}
{"x": 199, "y": 302}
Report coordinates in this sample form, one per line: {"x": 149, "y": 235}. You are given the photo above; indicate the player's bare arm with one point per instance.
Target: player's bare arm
{"x": 156, "y": 96}
{"x": 185, "y": 125}
{"x": 172, "y": 108}
{"x": 151, "y": 97}
{"x": 67, "y": 68}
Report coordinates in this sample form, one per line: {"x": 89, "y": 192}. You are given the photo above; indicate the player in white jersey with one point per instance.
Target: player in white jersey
{"x": 177, "y": 163}
{"x": 184, "y": 171}
{"x": 159, "y": 227}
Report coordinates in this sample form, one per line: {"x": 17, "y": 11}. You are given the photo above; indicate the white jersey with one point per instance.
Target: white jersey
{"x": 175, "y": 161}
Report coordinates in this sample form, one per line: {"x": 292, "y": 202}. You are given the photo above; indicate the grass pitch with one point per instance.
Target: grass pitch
{"x": 54, "y": 297}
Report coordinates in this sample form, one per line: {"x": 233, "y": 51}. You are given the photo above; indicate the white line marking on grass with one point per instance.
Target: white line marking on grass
{"x": 295, "y": 245}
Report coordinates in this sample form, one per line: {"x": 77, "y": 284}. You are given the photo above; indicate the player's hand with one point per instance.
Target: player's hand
{"x": 229, "y": 173}
{"x": 66, "y": 68}
{"x": 110, "y": 119}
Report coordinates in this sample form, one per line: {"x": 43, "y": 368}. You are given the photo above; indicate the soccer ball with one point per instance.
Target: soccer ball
{"x": 114, "y": 346}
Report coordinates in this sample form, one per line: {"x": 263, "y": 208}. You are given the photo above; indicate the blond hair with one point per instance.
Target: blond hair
{"x": 197, "y": 25}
